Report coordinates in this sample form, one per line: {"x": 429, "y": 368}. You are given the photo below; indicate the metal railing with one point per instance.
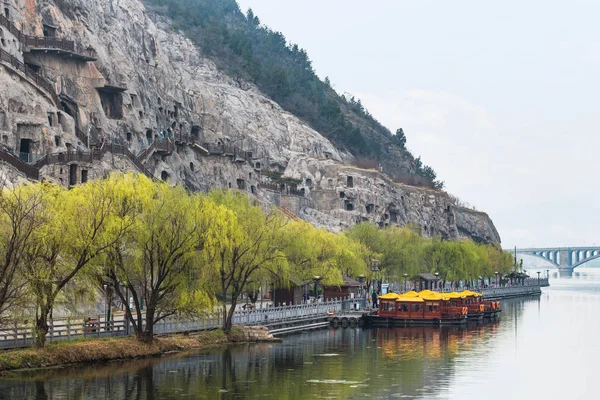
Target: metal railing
{"x": 30, "y": 171}
{"x": 97, "y": 326}
{"x": 270, "y": 186}
{"x": 36, "y": 41}
{"x": 30, "y": 73}
{"x": 49, "y": 43}
{"x": 510, "y": 291}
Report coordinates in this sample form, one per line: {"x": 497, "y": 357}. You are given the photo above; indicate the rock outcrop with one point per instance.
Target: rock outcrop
{"x": 90, "y": 86}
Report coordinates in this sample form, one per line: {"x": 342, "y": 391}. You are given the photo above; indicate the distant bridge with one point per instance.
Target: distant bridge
{"x": 566, "y": 259}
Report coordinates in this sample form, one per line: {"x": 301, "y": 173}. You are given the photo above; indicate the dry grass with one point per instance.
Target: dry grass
{"x": 102, "y": 350}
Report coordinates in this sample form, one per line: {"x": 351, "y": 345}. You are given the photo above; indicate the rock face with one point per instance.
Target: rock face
{"x": 120, "y": 90}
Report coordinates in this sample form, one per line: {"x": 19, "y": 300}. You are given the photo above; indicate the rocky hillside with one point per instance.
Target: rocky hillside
{"x": 90, "y": 86}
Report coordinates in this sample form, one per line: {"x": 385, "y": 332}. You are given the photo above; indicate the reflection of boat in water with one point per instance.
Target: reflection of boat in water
{"x": 432, "y": 308}
{"x": 431, "y": 342}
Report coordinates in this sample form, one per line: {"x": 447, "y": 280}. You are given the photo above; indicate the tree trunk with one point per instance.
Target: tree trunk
{"x": 146, "y": 335}
{"x": 228, "y": 316}
{"x": 41, "y": 329}
{"x": 224, "y": 326}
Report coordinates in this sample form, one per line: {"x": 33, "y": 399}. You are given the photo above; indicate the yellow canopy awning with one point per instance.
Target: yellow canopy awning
{"x": 454, "y": 295}
{"x": 388, "y": 296}
{"x": 409, "y": 299}
{"x": 469, "y": 293}
{"x": 434, "y": 296}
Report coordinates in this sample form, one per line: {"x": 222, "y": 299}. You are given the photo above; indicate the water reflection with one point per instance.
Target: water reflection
{"x": 422, "y": 363}
{"x": 328, "y": 363}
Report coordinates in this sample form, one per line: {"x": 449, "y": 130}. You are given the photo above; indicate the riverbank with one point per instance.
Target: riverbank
{"x": 84, "y": 351}
{"x": 87, "y": 351}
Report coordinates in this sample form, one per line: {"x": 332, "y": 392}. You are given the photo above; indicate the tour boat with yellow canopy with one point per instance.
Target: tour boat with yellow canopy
{"x": 412, "y": 308}
{"x": 432, "y": 308}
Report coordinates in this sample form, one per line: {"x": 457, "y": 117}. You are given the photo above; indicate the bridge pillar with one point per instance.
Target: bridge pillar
{"x": 566, "y": 259}
{"x": 565, "y": 272}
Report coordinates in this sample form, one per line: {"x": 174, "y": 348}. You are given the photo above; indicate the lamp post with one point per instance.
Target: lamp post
{"x": 375, "y": 268}
{"x": 105, "y": 306}
{"x": 480, "y": 280}
{"x": 361, "y": 279}
{"x": 316, "y": 278}
{"x": 496, "y": 278}
{"x": 538, "y": 277}
{"x": 436, "y": 280}
{"x": 405, "y": 276}
{"x": 547, "y": 274}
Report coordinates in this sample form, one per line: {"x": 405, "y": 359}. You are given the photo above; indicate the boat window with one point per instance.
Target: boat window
{"x": 416, "y": 307}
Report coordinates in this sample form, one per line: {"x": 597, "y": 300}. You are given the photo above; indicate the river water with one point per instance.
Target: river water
{"x": 545, "y": 347}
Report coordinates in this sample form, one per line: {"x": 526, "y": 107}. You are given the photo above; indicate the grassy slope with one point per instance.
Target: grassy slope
{"x": 102, "y": 350}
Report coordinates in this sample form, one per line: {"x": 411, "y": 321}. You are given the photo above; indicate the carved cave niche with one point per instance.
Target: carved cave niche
{"x": 112, "y": 103}
{"x": 196, "y": 131}
{"x": 49, "y": 30}
{"x": 348, "y": 206}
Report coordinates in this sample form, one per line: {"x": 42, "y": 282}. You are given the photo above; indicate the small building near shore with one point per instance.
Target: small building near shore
{"x": 290, "y": 293}
{"x": 425, "y": 281}
{"x": 349, "y": 288}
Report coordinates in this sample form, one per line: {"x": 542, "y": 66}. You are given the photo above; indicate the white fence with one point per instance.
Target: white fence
{"x": 23, "y": 335}
{"x": 510, "y": 291}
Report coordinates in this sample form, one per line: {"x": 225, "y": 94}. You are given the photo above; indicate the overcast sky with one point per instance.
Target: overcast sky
{"x": 500, "y": 98}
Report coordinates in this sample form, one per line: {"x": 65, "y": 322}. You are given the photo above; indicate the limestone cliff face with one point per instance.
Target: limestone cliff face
{"x": 128, "y": 93}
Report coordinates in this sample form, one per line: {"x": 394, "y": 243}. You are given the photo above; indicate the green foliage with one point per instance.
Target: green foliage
{"x": 317, "y": 252}
{"x": 155, "y": 261}
{"x": 403, "y": 251}
{"x": 400, "y": 138}
{"x": 282, "y": 70}
{"x": 246, "y": 252}
{"x": 174, "y": 252}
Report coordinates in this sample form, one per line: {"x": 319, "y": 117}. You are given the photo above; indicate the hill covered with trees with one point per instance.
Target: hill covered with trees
{"x": 246, "y": 49}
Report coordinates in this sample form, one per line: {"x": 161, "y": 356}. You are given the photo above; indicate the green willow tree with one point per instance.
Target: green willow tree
{"x": 156, "y": 262}
{"x": 313, "y": 252}
{"x": 20, "y": 215}
{"x": 78, "y": 226}
{"x": 402, "y": 251}
{"x": 248, "y": 252}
